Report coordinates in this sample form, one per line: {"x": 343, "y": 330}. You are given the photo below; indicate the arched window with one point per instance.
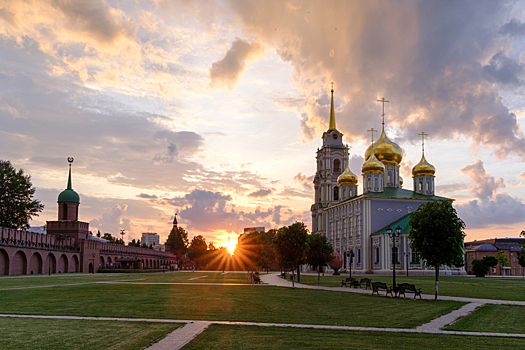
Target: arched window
{"x": 64, "y": 211}
{"x": 420, "y": 186}
{"x": 428, "y": 186}
{"x": 337, "y": 166}
{"x": 350, "y": 194}
{"x": 336, "y": 193}
{"x": 376, "y": 183}
{"x": 390, "y": 176}
{"x": 377, "y": 254}
{"x": 359, "y": 256}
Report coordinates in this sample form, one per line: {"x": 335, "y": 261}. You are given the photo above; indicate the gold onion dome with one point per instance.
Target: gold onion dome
{"x": 372, "y": 165}
{"x": 347, "y": 178}
{"x": 385, "y": 150}
{"x": 423, "y": 168}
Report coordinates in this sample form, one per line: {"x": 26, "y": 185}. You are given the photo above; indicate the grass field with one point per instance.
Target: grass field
{"x": 18, "y": 333}
{"x": 257, "y": 303}
{"x": 470, "y": 287}
{"x": 493, "y": 318}
{"x": 206, "y": 296}
{"x": 249, "y": 337}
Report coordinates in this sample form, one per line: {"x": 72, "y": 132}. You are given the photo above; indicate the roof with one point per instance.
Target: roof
{"x": 394, "y": 192}
{"x": 402, "y": 222}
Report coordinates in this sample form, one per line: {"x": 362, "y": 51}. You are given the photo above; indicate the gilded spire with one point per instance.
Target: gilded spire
{"x": 383, "y": 115}
{"x": 332, "y": 112}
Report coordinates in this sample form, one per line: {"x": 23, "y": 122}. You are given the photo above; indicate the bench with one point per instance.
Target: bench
{"x": 365, "y": 282}
{"x": 410, "y": 288}
{"x": 349, "y": 281}
{"x": 376, "y": 286}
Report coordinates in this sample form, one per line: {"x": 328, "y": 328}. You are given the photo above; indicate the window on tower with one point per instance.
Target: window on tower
{"x": 336, "y": 193}
{"x": 337, "y": 166}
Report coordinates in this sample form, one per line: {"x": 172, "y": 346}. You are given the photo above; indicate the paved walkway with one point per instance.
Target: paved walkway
{"x": 181, "y": 336}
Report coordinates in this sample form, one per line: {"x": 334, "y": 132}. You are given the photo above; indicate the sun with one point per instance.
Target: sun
{"x": 231, "y": 247}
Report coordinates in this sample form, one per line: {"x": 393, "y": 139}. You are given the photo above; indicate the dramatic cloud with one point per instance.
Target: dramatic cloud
{"x": 260, "y": 193}
{"x": 208, "y": 211}
{"x": 93, "y": 17}
{"x": 147, "y": 196}
{"x": 427, "y": 58}
{"x": 226, "y": 72}
{"x": 307, "y": 182}
{"x": 513, "y": 28}
{"x": 484, "y": 186}
{"x": 113, "y": 220}
{"x": 521, "y": 175}
{"x": 491, "y": 208}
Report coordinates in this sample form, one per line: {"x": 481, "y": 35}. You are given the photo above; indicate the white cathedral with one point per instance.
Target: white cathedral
{"x": 357, "y": 223}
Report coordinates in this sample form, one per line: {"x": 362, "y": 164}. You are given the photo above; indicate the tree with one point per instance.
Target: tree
{"x": 320, "y": 253}
{"x": 480, "y": 268}
{"x": 502, "y": 258}
{"x": 177, "y": 243}
{"x": 490, "y": 261}
{"x": 198, "y": 250}
{"x": 521, "y": 256}
{"x": 17, "y": 205}
{"x": 436, "y": 233}
{"x": 290, "y": 244}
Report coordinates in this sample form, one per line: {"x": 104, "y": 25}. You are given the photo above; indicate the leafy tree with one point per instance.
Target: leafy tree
{"x": 17, "y": 205}
{"x": 266, "y": 252}
{"x": 290, "y": 244}
{"x": 436, "y": 233}
{"x": 132, "y": 243}
{"x": 320, "y": 253}
{"x": 490, "y": 261}
{"x": 198, "y": 250}
{"x": 480, "y": 268}
{"x": 521, "y": 256}
{"x": 98, "y": 234}
{"x": 177, "y": 243}
{"x": 502, "y": 258}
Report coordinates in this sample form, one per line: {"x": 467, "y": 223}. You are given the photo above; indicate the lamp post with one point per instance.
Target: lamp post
{"x": 393, "y": 235}
{"x": 407, "y": 255}
{"x": 93, "y": 254}
{"x": 350, "y": 256}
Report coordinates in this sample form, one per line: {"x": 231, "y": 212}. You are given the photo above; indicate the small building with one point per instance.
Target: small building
{"x": 489, "y": 247}
{"x": 150, "y": 238}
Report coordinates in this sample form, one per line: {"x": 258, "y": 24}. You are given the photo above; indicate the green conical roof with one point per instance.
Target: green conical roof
{"x": 68, "y": 195}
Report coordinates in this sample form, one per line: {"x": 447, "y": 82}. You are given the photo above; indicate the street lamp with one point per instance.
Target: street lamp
{"x": 393, "y": 235}
{"x": 93, "y": 254}
{"x": 350, "y": 255}
{"x": 407, "y": 255}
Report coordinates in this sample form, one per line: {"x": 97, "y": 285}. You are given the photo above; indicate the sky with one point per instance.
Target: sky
{"x": 215, "y": 109}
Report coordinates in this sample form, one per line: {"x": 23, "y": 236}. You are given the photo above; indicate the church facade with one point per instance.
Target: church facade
{"x": 356, "y": 224}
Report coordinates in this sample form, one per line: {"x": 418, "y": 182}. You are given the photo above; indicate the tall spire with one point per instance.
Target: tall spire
{"x": 175, "y": 221}
{"x": 383, "y": 115}
{"x": 332, "y": 113}
{"x": 70, "y": 160}
{"x": 423, "y": 142}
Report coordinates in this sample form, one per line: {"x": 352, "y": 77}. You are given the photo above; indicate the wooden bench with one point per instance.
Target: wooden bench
{"x": 365, "y": 282}
{"x": 376, "y": 286}
{"x": 410, "y": 288}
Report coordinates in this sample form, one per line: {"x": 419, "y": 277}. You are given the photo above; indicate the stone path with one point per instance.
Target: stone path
{"x": 181, "y": 336}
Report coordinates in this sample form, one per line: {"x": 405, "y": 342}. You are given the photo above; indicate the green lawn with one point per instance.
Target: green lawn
{"x": 470, "y": 287}
{"x": 18, "y": 333}
{"x": 493, "y": 318}
{"x": 250, "y": 337}
{"x": 157, "y": 277}
{"x": 257, "y": 303}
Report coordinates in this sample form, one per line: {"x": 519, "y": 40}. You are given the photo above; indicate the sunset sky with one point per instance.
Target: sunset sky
{"x": 215, "y": 109}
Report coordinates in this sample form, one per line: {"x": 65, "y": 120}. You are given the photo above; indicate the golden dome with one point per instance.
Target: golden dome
{"x": 400, "y": 181}
{"x": 385, "y": 150}
{"x": 347, "y": 178}
{"x": 423, "y": 168}
{"x": 372, "y": 165}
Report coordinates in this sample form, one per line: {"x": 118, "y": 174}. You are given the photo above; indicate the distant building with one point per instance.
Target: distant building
{"x": 150, "y": 238}
{"x": 489, "y": 247}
